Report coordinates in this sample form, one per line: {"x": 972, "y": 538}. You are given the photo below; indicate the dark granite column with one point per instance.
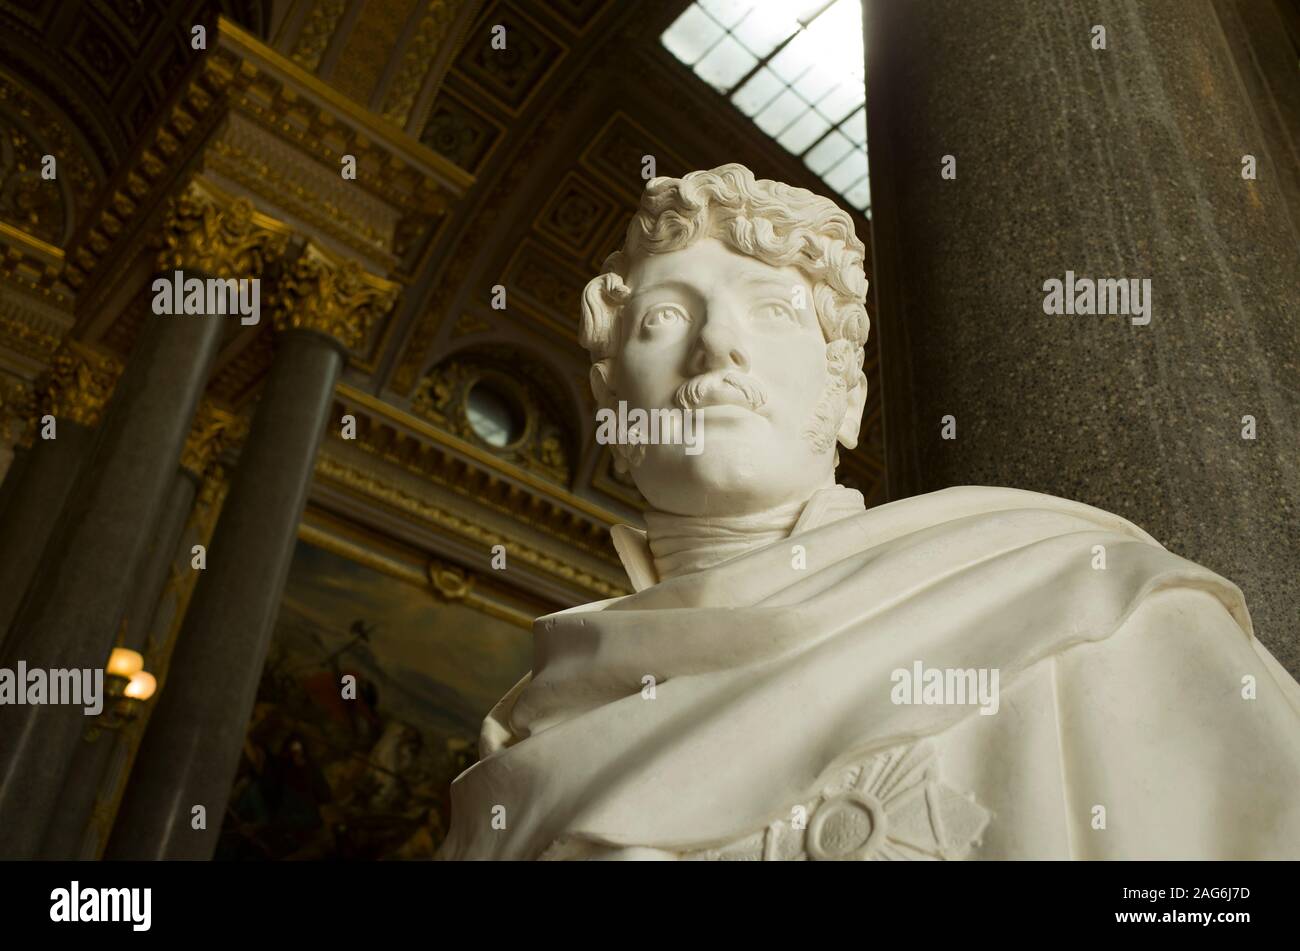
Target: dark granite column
{"x": 12, "y": 476}
{"x": 191, "y": 750}
{"x": 1124, "y": 162}
{"x": 71, "y": 613}
{"x": 74, "y": 391}
{"x": 85, "y": 780}
{"x": 81, "y": 786}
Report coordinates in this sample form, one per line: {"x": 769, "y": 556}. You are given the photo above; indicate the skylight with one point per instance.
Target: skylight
{"x": 793, "y": 66}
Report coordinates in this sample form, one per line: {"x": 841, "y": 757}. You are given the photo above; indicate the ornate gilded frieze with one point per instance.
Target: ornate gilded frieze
{"x": 391, "y": 438}
{"x": 307, "y": 129}
{"x": 425, "y": 511}
{"x": 333, "y": 296}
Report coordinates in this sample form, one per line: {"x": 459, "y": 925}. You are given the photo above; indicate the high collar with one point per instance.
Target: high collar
{"x": 676, "y": 545}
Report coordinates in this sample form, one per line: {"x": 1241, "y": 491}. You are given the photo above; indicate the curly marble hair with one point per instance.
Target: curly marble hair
{"x": 775, "y": 223}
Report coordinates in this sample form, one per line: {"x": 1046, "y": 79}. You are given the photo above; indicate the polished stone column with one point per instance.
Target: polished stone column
{"x": 1122, "y": 162}
{"x": 104, "y": 742}
{"x": 74, "y": 392}
{"x": 16, "y": 412}
{"x": 190, "y": 752}
{"x": 71, "y": 613}
{"x": 13, "y": 474}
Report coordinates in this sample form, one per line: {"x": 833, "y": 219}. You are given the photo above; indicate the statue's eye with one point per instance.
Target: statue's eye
{"x": 664, "y": 315}
{"x": 775, "y": 310}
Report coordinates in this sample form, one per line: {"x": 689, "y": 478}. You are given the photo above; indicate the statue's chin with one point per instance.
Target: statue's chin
{"x": 734, "y": 480}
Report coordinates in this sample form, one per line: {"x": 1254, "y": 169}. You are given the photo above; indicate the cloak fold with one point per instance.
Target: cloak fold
{"x": 1121, "y": 688}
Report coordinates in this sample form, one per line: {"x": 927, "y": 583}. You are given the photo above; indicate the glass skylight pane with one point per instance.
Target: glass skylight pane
{"x": 855, "y": 127}
{"x": 691, "y": 35}
{"x": 817, "y": 82}
{"x": 805, "y": 86}
{"x": 725, "y": 65}
{"x": 804, "y": 132}
{"x": 727, "y": 12}
{"x": 761, "y": 89}
{"x": 795, "y": 57}
{"x": 827, "y": 152}
{"x": 852, "y": 168}
{"x": 837, "y": 34}
{"x": 766, "y": 28}
{"x": 842, "y": 100}
{"x": 859, "y": 195}
{"x": 774, "y": 119}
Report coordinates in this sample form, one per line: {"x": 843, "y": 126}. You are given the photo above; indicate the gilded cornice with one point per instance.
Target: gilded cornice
{"x": 210, "y": 232}
{"x": 449, "y": 583}
{"x": 79, "y": 383}
{"x": 239, "y": 77}
{"x": 391, "y": 425}
{"x": 211, "y": 432}
{"x": 273, "y": 88}
{"x": 391, "y": 444}
{"x": 425, "y": 511}
{"x": 144, "y": 180}
{"x": 332, "y": 296}
{"x": 31, "y": 265}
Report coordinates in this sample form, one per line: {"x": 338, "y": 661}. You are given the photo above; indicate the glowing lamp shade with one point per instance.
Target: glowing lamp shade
{"x": 124, "y": 663}
{"x": 142, "y": 685}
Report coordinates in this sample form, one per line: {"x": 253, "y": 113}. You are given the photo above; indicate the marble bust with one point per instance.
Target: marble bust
{"x": 981, "y": 673}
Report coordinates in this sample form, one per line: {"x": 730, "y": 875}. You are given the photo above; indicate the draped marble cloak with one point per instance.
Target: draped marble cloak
{"x": 1138, "y": 716}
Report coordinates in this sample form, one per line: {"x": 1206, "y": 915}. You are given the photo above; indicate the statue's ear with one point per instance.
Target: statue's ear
{"x": 600, "y": 384}
{"x": 851, "y": 421}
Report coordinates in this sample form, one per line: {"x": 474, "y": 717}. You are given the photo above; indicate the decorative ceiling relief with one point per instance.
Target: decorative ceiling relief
{"x": 504, "y": 401}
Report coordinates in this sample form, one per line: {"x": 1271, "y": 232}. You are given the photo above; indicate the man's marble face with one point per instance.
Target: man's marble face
{"x": 712, "y": 329}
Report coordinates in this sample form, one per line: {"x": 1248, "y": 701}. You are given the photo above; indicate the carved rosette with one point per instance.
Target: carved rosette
{"x": 78, "y": 384}
{"x": 449, "y": 582}
{"x": 212, "y": 431}
{"x": 332, "y": 296}
{"x": 209, "y": 231}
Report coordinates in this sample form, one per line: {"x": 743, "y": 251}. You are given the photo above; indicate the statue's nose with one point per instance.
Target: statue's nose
{"x": 720, "y": 344}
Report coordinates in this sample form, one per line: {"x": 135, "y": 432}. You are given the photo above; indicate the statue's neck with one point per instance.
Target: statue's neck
{"x": 685, "y": 543}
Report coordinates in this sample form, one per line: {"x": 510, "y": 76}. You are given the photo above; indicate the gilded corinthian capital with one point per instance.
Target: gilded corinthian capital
{"x": 207, "y": 230}
{"x": 212, "y": 430}
{"x": 333, "y": 296}
{"x": 79, "y": 383}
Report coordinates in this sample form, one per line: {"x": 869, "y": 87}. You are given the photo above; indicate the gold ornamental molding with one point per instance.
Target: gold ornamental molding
{"x": 30, "y": 263}
{"x": 244, "y": 110}
{"x": 79, "y": 383}
{"x": 380, "y": 412}
{"x": 35, "y": 306}
{"x": 373, "y": 487}
{"x": 332, "y": 296}
{"x": 448, "y": 583}
{"x": 209, "y": 231}
{"x": 392, "y": 445}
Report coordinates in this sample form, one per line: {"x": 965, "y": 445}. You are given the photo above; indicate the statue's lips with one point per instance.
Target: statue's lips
{"x": 727, "y": 410}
